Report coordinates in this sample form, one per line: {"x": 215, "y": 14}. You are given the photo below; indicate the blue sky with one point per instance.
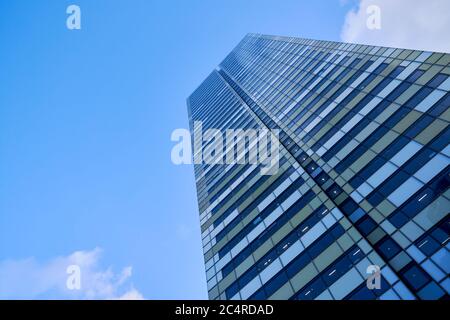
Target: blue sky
{"x": 85, "y": 123}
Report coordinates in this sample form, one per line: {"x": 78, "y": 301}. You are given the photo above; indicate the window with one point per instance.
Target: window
{"x": 274, "y": 284}
{"x": 407, "y": 189}
{"x": 416, "y": 277}
{"x": 388, "y": 248}
{"x": 430, "y": 100}
{"x": 311, "y": 291}
{"x": 398, "y": 219}
{"x": 406, "y": 153}
{"x": 437, "y": 80}
{"x": 428, "y": 245}
{"x": 432, "y": 168}
{"x": 367, "y": 225}
{"x": 418, "y": 97}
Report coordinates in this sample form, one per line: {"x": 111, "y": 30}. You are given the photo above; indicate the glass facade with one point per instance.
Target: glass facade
{"x": 363, "y": 174}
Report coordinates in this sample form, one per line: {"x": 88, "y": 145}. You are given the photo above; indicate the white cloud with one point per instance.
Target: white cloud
{"x": 31, "y": 279}
{"x": 412, "y": 24}
{"x": 133, "y": 294}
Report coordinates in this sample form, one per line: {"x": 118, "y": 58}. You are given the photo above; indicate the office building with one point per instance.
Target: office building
{"x": 363, "y": 178}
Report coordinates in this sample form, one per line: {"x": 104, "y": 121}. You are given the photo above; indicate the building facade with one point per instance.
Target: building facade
{"x": 363, "y": 178}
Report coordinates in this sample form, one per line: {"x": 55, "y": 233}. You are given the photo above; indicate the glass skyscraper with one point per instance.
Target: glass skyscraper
{"x": 363, "y": 175}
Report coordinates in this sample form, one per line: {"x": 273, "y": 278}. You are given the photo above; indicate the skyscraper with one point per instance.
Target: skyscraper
{"x": 363, "y": 178}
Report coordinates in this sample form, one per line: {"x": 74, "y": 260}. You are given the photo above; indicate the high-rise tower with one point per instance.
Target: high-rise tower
{"x": 363, "y": 178}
